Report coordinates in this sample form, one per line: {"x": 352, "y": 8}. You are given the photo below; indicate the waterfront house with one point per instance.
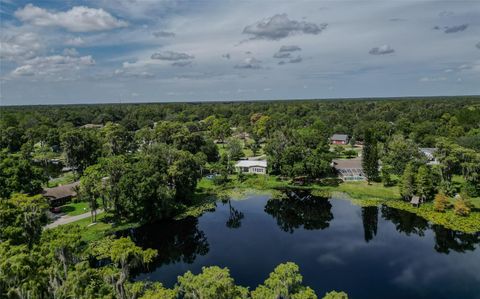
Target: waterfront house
{"x": 349, "y": 169}
{"x": 251, "y": 166}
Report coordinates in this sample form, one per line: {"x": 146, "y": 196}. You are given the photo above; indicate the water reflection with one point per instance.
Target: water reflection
{"x": 370, "y": 222}
{"x": 405, "y": 222}
{"x": 175, "y": 240}
{"x": 234, "y": 217}
{"x": 300, "y": 208}
{"x": 447, "y": 240}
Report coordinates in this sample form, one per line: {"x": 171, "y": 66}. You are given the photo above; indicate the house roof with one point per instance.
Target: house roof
{"x": 347, "y": 163}
{"x": 61, "y": 191}
{"x": 340, "y": 137}
{"x": 428, "y": 150}
{"x": 251, "y": 163}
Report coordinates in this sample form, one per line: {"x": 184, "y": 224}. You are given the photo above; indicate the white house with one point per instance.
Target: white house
{"x": 429, "y": 153}
{"x": 251, "y": 166}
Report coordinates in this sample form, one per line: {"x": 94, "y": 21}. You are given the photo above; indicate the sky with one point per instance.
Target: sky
{"x": 115, "y": 51}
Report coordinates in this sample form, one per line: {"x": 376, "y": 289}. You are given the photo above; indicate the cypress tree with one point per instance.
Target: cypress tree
{"x": 407, "y": 182}
{"x": 424, "y": 183}
{"x": 370, "y": 157}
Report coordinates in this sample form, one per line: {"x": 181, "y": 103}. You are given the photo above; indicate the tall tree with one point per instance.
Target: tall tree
{"x": 125, "y": 256}
{"x": 370, "y": 157}
{"x": 284, "y": 282}
{"x": 81, "y": 148}
{"x": 407, "y": 182}
{"x": 424, "y": 183}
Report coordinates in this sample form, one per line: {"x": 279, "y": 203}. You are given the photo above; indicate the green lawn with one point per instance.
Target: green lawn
{"x": 63, "y": 179}
{"x": 77, "y": 208}
{"x": 222, "y": 148}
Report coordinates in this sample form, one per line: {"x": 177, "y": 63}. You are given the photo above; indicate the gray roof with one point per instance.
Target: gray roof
{"x": 347, "y": 163}
{"x": 341, "y": 137}
{"x": 64, "y": 191}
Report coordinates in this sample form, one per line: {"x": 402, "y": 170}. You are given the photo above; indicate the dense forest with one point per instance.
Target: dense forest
{"x": 142, "y": 162}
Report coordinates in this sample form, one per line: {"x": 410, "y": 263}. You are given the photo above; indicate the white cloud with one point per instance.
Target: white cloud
{"x": 432, "y": 79}
{"x": 75, "y": 41}
{"x": 70, "y": 52}
{"x": 171, "y": 56}
{"x": 19, "y": 47}
{"x": 280, "y": 26}
{"x": 249, "y": 63}
{"x": 52, "y": 65}
{"x": 77, "y": 19}
{"x": 382, "y": 50}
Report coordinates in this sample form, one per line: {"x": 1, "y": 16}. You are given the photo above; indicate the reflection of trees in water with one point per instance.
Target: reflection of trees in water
{"x": 175, "y": 240}
{"x": 370, "y": 222}
{"x": 446, "y": 239}
{"x": 235, "y": 216}
{"x": 405, "y": 222}
{"x": 299, "y": 208}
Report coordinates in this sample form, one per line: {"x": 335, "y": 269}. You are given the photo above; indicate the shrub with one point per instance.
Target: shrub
{"x": 461, "y": 207}
{"x": 440, "y": 202}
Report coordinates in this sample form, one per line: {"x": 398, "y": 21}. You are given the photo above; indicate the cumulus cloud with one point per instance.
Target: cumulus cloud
{"x": 19, "y": 47}
{"x": 452, "y": 29}
{"x": 297, "y": 59}
{"x": 382, "y": 50}
{"x": 249, "y": 63}
{"x": 280, "y": 26}
{"x": 432, "y": 79}
{"x": 75, "y": 41}
{"x": 160, "y": 34}
{"x": 282, "y": 55}
{"x": 291, "y": 48}
{"x": 70, "y": 52}
{"x": 285, "y": 52}
{"x": 182, "y": 63}
{"x": 171, "y": 56}
{"x": 133, "y": 74}
{"x": 77, "y": 19}
{"x": 50, "y": 65}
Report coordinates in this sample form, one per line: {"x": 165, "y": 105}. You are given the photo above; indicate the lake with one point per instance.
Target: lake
{"x": 372, "y": 252}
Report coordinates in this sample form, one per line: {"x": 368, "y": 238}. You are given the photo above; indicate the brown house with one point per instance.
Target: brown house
{"x": 339, "y": 139}
{"x": 60, "y": 195}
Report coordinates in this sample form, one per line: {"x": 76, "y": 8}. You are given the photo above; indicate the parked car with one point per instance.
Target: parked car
{"x": 56, "y": 210}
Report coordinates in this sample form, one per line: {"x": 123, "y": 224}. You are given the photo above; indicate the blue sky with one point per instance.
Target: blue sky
{"x": 98, "y": 51}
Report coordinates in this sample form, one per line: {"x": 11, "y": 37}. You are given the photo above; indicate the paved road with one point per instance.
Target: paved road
{"x": 65, "y": 219}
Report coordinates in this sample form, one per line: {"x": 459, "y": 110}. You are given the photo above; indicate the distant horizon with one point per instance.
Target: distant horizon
{"x": 413, "y": 97}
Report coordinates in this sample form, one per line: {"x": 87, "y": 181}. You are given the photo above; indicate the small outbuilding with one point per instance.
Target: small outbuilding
{"x": 60, "y": 195}
{"x": 339, "y": 139}
{"x": 251, "y": 166}
{"x": 349, "y": 169}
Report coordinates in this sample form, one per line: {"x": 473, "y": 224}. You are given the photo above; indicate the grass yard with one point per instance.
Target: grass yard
{"x": 63, "y": 179}
{"x": 77, "y": 208}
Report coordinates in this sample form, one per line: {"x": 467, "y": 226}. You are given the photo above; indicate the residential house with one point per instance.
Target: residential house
{"x": 429, "y": 153}
{"x": 349, "y": 169}
{"x": 60, "y": 195}
{"x": 251, "y": 166}
{"x": 339, "y": 139}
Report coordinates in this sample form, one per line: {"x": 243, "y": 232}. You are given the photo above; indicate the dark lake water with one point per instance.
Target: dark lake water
{"x": 373, "y": 252}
